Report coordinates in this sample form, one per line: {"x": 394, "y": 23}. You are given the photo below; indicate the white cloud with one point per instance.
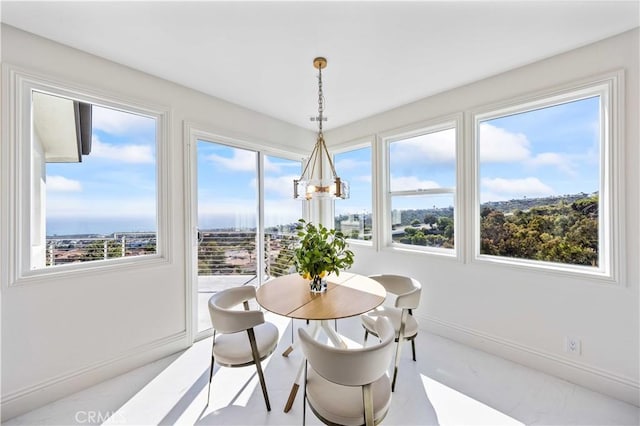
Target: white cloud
{"x": 270, "y": 166}
{"x": 411, "y": 182}
{"x": 515, "y": 188}
{"x": 117, "y": 122}
{"x": 281, "y": 186}
{"x": 501, "y": 146}
{"x": 124, "y": 153}
{"x": 246, "y": 161}
{"x": 63, "y": 184}
{"x": 554, "y": 159}
{"x": 438, "y": 147}
{"x": 363, "y": 178}
{"x": 242, "y": 161}
{"x": 350, "y": 164}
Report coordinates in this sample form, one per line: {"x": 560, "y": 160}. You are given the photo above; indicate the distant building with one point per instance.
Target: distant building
{"x": 353, "y": 223}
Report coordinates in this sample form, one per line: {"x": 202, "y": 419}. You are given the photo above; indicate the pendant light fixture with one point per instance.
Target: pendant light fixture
{"x": 312, "y": 182}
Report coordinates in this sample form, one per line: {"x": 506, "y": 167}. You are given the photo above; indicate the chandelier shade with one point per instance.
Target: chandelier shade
{"x": 316, "y": 181}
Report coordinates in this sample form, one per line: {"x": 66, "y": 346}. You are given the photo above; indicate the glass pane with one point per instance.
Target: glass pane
{"x": 423, "y": 220}
{"x": 423, "y": 162}
{"x": 353, "y": 215}
{"x": 539, "y": 184}
{"x": 281, "y": 213}
{"x": 99, "y": 202}
{"x": 227, "y": 221}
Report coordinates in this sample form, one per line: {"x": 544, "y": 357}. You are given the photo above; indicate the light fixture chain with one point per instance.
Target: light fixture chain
{"x": 320, "y": 100}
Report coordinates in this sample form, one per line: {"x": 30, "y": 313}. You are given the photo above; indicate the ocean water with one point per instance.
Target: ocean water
{"x": 100, "y": 226}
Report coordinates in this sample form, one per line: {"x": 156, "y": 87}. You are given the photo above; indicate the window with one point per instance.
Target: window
{"x": 543, "y": 182}
{"x": 421, "y": 186}
{"x": 93, "y": 179}
{"x": 353, "y": 215}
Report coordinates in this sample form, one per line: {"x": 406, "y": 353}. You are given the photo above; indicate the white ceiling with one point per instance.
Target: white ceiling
{"x": 380, "y": 54}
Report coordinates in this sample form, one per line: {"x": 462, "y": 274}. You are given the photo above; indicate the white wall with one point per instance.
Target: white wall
{"x": 62, "y": 334}
{"x": 521, "y": 314}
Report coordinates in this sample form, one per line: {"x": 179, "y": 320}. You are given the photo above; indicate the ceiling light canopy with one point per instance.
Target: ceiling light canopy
{"x": 312, "y": 182}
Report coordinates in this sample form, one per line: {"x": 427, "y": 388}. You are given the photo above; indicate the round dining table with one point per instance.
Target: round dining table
{"x": 347, "y": 295}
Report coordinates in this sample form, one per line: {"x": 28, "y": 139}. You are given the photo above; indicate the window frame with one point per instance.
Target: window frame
{"x": 611, "y": 203}
{"x": 452, "y": 121}
{"x": 20, "y": 84}
{"x": 366, "y": 142}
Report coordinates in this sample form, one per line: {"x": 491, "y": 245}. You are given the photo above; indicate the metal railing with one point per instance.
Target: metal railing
{"x": 234, "y": 253}
{"x": 219, "y": 252}
{"x": 86, "y": 249}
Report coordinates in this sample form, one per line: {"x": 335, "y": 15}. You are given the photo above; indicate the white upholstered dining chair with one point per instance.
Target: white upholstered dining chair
{"x": 348, "y": 386}
{"x": 240, "y": 337}
{"x": 407, "y": 293}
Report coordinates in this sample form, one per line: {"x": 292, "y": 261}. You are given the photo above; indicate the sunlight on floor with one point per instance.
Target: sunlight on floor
{"x": 178, "y": 395}
{"x": 455, "y": 408}
{"x": 184, "y": 389}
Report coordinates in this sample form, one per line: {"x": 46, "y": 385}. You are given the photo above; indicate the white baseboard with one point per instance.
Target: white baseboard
{"x": 29, "y": 398}
{"x": 608, "y": 383}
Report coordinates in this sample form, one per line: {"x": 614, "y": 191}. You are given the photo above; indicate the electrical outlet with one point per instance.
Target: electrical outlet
{"x": 573, "y": 345}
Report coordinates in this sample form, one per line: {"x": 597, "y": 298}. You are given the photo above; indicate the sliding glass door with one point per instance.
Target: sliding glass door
{"x": 246, "y": 219}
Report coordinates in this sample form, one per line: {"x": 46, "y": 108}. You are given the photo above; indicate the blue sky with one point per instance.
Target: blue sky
{"x": 355, "y": 167}
{"x": 227, "y": 188}
{"x": 544, "y": 152}
{"x": 114, "y": 187}
{"x": 550, "y": 151}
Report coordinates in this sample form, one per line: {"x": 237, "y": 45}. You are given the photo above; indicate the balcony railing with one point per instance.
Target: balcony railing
{"x": 219, "y": 252}
{"x": 87, "y": 249}
{"x": 234, "y": 253}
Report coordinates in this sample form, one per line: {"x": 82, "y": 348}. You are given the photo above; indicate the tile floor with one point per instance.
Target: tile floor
{"x": 450, "y": 384}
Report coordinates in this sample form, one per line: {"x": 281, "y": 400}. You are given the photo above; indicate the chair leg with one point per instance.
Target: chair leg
{"x": 413, "y": 348}
{"x": 395, "y": 366}
{"x": 413, "y": 341}
{"x": 403, "y": 322}
{"x": 211, "y": 368}
{"x": 367, "y": 402}
{"x": 304, "y": 396}
{"x": 256, "y": 360}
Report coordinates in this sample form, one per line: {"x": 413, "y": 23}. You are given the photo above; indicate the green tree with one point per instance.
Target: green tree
{"x": 586, "y": 206}
{"x": 419, "y": 239}
{"x": 445, "y": 224}
{"x": 430, "y": 219}
{"x": 95, "y": 250}
{"x": 410, "y": 231}
{"x": 555, "y": 232}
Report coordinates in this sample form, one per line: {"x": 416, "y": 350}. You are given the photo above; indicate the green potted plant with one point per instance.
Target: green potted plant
{"x": 320, "y": 252}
